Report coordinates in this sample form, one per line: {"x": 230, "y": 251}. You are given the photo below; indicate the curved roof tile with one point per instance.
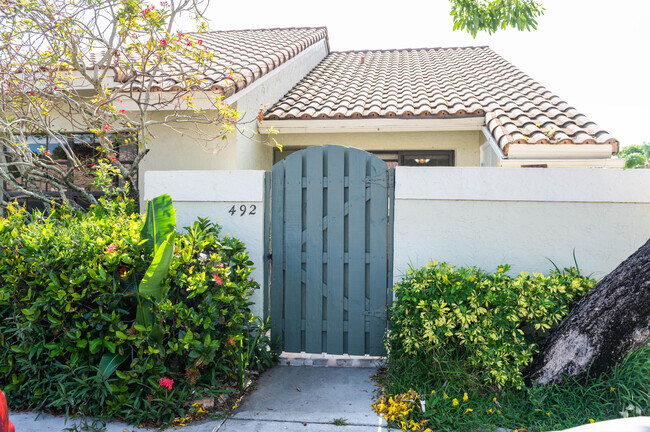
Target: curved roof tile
{"x": 248, "y": 54}
{"x": 440, "y": 81}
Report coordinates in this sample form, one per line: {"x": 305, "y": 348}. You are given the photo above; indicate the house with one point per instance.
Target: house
{"x": 463, "y": 106}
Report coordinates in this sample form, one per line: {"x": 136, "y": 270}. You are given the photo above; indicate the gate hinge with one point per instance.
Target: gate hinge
{"x": 381, "y": 180}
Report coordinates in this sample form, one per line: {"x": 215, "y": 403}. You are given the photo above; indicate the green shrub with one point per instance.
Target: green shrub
{"x": 486, "y": 325}
{"x": 455, "y": 406}
{"x": 68, "y": 297}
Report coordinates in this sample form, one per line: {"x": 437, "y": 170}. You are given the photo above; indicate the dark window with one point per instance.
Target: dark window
{"x": 418, "y": 157}
{"x": 85, "y": 147}
{"x": 434, "y": 158}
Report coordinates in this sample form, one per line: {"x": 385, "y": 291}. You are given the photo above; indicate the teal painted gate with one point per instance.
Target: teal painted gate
{"x": 330, "y": 258}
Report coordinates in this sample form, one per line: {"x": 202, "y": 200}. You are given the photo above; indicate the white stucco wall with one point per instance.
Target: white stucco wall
{"x": 490, "y": 216}
{"x": 211, "y": 194}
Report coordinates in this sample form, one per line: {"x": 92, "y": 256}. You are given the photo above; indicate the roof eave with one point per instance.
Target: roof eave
{"x": 374, "y": 124}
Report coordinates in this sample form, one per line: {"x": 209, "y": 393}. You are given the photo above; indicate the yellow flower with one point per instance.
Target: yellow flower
{"x": 611, "y": 389}
{"x": 592, "y": 421}
{"x": 468, "y": 410}
{"x": 433, "y": 392}
{"x": 465, "y": 397}
{"x": 444, "y": 395}
{"x": 494, "y": 399}
{"x": 454, "y": 401}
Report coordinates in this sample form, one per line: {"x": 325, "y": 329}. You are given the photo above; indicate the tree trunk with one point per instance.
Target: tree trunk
{"x": 612, "y": 320}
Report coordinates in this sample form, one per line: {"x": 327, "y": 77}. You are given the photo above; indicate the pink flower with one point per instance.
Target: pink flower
{"x": 31, "y": 93}
{"x": 200, "y": 42}
{"x": 166, "y": 382}
{"x": 122, "y": 111}
{"x": 163, "y": 42}
{"x": 111, "y": 249}
{"x": 217, "y": 279}
{"x": 47, "y": 153}
{"x": 106, "y": 127}
{"x": 112, "y": 158}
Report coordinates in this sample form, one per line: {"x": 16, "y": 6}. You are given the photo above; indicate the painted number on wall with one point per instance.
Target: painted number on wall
{"x": 242, "y": 210}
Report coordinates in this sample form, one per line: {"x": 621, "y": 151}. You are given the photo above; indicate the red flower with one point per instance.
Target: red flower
{"x": 166, "y": 382}
{"x": 122, "y": 111}
{"x": 163, "y": 42}
{"x": 47, "y": 153}
{"x": 111, "y": 249}
{"x": 217, "y": 279}
{"x": 112, "y": 158}
{"x": 106, "y": 127}
{"x": 200, "y": 41}
{"x": 31, "y": 93}
{"x": 92, "y": 165}
{"x": 122, "y": 271}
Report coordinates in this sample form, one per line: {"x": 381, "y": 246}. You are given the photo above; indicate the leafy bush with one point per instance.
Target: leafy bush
{"x": 487, "y": 324}
{"x": 416, "y": 400}
{"x": 68, "y": 301}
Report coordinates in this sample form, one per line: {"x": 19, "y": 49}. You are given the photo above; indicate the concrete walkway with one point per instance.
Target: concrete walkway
{"x": 287, "y": 398}
{"x": 301, "y": 399}
{"x": 309, "y": 399}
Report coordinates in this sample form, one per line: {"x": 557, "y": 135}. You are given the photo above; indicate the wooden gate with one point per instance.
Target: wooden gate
{"x": 330, "y": 269}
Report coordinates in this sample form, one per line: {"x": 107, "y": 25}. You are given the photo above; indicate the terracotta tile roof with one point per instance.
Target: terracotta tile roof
{"x": 448, "y": 82}
{"x": 249, "y": 54}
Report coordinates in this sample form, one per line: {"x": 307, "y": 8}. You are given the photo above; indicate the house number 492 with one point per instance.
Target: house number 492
{"x": 242, "y": 210}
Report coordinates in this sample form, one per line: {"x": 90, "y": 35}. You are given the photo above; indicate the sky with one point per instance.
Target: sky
{"x": 594, "y": 54}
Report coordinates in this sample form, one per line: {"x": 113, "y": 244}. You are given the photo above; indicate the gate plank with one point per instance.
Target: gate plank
{"x": 314, "y": 254}
{"x": 293, "y": 236}
{"x": 357, "y": 252}
{"x": 267, "y": 245}
{"x": 391, "y": 236}
{"x": 378, "y": 233}
{"x": 277, "y": 251}
{"x": 335, "y": 245}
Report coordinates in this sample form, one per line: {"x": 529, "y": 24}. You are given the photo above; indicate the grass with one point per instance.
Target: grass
{"x": 455, "y": 399}
{"x": 339, "y": 421}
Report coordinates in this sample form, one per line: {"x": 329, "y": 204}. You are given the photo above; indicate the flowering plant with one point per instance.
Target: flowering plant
{"x": 166, "y": 382}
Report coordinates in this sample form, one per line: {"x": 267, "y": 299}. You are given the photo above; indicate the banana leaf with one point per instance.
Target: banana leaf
{"x": 159, "y": 222}
{"x": 151, "y": 284}
{"x": 160, "y": 232}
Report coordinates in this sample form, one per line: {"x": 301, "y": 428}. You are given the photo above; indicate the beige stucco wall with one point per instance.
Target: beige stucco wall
{"x": 192, "y": 149}
{"x": 255, "y": 151}
{"x": 465, "y": 144}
